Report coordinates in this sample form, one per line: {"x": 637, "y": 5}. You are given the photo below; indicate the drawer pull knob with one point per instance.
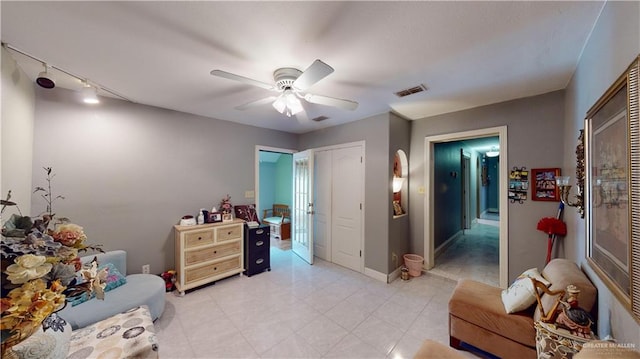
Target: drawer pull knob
{"x": 229, "y": 233}
{"x": 259, "y": 261}
{"x": 215, "y": 268}
{"x": 259, "y": 243}
{"x": 199, "y": 238}
{"x": 214, "y": 252}
{"x": 260, "y": 231}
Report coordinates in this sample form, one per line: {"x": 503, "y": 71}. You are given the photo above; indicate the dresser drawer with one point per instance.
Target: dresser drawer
{"x": 228, "y": 233}
{"x": 211, "y": 253}
{"x": 212, "y": 269}
{"x": 260, "y": 263}
{"x": 257, "y": 244}
{"x": 198, "y": 238}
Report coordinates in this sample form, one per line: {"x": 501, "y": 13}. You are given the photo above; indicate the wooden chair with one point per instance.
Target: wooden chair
{"x": 279, "y": 220}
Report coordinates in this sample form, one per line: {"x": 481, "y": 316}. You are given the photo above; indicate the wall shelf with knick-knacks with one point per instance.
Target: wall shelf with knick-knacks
{"x": 518, "y": 184}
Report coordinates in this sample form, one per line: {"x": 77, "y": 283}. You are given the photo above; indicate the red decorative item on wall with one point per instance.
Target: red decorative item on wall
{"x": 552, "y": 227}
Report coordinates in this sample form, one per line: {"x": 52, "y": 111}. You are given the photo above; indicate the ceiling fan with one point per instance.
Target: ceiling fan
{"x": 291, "y": 84}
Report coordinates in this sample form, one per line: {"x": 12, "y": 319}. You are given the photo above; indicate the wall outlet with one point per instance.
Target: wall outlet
{"x": 145, "y": 269}
{"x": 249, "y": 194}
{"x": 394, "y": 259}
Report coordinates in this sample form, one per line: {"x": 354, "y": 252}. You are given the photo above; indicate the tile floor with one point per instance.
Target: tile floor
{"x": 474, "y": 255}
{"x": 303, "y": 311}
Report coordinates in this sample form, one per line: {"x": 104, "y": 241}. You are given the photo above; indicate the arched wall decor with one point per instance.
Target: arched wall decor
{"x": 399, "y": 183}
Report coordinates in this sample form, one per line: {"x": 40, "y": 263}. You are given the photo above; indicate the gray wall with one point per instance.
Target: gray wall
{"x": 129, "y": 172}
{"x": 399, "y": 139}
{"x": 535, "y": 138}
{"x": 17, "y": 121}
{"x": 614, "y": 43}
{"x": 375, "y": 132}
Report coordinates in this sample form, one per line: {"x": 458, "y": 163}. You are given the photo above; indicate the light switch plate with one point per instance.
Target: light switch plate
{"x": 249, "y": 194}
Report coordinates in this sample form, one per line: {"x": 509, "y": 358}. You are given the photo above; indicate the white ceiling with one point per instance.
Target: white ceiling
{"x": 467, "y": 54}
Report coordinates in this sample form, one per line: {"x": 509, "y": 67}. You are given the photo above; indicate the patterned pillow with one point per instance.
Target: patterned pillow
{"x": 114, "y": 280}
{"x": 521, "y": 295}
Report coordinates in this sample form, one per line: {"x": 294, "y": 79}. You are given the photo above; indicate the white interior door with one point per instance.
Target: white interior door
{"x": 322, "y": 205}
{"x": 346, "y": 202}
{"x": 302, "y": 214}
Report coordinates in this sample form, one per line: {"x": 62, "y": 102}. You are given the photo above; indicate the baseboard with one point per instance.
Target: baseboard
{"x": 394, "y": 275}
{"x": 375, "y": 274}
{"x": 441, "y": 248}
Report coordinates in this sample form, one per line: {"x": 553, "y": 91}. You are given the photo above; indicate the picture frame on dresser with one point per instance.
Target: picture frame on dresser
{"x": 215, "y": 217}
{"x": 227, "y": 217}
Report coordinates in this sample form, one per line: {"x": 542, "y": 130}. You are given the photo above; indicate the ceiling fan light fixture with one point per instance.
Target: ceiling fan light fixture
{"x": 280, "y": 104}
{"x": 288, "y": 103}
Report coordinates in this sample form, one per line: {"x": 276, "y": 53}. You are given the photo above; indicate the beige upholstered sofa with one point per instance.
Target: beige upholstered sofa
{"x": 477, "y": 315}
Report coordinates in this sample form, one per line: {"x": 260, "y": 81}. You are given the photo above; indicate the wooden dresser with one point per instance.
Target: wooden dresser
{"x": 208, "y": 252}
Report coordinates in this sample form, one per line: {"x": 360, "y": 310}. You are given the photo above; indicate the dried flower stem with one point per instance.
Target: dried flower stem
{"x": 48, "y": 195}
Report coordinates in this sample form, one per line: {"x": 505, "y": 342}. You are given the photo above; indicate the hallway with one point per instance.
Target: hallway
{"x": 474, "y": 255}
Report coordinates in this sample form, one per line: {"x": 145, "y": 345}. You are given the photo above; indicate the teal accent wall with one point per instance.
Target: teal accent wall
{"x": 276, "y": 181}
{"x": 284, "y": 179}
{"x": 267, "y": 186}
{"x": 447, "y": 191}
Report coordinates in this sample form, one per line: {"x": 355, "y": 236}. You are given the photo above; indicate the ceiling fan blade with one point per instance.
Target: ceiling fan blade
{"x": 302, "y": 117}
{"x": 246, "y": 80}
{"x": 314, "y": 73}
{"x": 260, "y": 102}
{"x": 331, "y": 101}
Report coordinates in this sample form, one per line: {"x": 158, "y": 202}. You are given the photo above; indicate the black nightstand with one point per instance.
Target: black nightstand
{"x": 256, "y": 250}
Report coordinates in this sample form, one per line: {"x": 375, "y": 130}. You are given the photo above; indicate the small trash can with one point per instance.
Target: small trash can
{"x": 414, "y": 263}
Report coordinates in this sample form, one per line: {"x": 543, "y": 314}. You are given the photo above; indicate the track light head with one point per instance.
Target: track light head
{"x": 89, "y": 94}
{"x": 45, "y": 79}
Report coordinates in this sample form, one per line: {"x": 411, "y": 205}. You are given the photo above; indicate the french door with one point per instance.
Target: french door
{"x": 302, "y": 214}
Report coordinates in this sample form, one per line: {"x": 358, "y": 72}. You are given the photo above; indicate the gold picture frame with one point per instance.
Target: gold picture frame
{"x": 612, "y": 206}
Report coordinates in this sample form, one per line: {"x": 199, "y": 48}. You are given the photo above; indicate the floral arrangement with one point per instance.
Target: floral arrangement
{"x": 40, "y": 270}
{"x": 225, "y": 205}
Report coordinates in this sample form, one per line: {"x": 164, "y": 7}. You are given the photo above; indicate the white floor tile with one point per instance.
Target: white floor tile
{"x": 306, "y": 311}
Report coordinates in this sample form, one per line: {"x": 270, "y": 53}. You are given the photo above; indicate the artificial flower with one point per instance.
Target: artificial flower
{"x": 225, "y": 205}
{"x": 96, "y": 279}
{"x": 39, "y": 271}
{"x": 70, "y": 235}
{"x": 28, "y": 267}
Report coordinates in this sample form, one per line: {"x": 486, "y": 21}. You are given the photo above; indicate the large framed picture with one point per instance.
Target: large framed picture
{"x": 543, "y": 184}
{"x": 612, "y": 155}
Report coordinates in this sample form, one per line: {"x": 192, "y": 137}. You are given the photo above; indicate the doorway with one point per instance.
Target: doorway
{"x": 430, "y": 207}
{"x": 338, "y": 218}
{"x": 273, "y": 184}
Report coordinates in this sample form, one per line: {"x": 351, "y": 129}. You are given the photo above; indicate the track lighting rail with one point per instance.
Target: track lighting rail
{"x": 82, "y": 80}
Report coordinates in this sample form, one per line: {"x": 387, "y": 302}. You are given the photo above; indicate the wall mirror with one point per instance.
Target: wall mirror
{"x": 612, "y": 154}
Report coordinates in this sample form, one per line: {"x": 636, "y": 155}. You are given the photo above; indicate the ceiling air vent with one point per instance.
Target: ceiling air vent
{"x": 320, "y": 118}
{"x": 411, "y": 91}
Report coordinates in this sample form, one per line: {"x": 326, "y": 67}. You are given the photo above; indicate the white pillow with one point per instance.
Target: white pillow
{"x": 520, "y": 295}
